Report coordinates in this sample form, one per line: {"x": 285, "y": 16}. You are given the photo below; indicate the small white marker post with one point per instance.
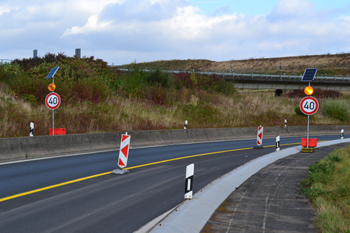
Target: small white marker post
{"x": 123, "y": 155}
{"x": 285, "y": 123}
{"x": 31, "y": 132}
{"x": 189, "y": 181}
{"x": 278, "y": 144}
{"x": 185, "y": 127}
{"x": 342, "y": 134}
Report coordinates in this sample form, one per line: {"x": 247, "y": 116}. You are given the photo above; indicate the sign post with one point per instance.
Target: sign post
{"x": 52, "y": 100}
{"x": 309, "y": 106}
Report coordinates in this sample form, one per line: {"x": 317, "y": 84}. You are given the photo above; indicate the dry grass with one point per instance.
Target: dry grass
{"x": 338, "y": 63}
{"x": 200, "y": 108}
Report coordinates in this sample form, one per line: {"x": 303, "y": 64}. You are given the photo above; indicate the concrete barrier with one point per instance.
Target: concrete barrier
{"x": 12, "y": 149}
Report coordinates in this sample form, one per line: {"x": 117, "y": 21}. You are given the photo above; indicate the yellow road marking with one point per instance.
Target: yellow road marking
{"x": 52, "y": 186}
{"x": 128, "y": 168}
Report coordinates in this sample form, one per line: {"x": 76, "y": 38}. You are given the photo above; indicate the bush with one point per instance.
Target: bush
{"x": 31, "y": 99}
{"x": 337, "y": 109}
{"x": 157, "y": 77}
{"x": 28, "y": 63}
{"x": 299, "y": 112}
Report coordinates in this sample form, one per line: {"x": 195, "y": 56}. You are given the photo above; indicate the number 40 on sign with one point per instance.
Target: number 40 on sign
{"x": 309, "y": 105}
{"x": 53, "y": 100}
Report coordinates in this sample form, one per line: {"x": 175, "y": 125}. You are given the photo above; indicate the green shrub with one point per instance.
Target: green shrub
{"x": 31, "y": 99}
{"x": 327, "y": 185}
{"x": 157, "y": 77}
{"x": 299, "y": 112}
{"x": 201, "y": 114}
{"x": 337, "y": 109}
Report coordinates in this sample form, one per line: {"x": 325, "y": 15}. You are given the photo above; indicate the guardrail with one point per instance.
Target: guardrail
{"x": 252, "y": 75}
{"x": 47, "y": 146}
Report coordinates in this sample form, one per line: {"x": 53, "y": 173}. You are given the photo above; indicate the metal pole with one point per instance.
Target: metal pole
{"x": 53, "y": 122}
{"x": 307, "y": 138}
{"x": 53, "y": 112}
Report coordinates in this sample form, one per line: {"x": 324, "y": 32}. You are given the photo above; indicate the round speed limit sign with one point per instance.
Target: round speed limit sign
{"x": 53, "y": 100}
{"x": 309, "y": 105}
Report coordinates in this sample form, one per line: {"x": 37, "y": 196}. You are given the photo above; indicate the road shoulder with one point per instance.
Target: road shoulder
{"x": 268, "y": 201}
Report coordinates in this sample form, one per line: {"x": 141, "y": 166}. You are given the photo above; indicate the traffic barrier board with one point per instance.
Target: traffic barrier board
{"x": 309, "y": 105}
{"x": 53, "y": 100}
{"x": 124, "y": 151}
{"x": 260, "y": 135}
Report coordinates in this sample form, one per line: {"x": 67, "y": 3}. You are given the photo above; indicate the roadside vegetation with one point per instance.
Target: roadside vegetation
{"x": 99, "y": 98}
{"x": 327, "y": 186}
{"x": 329, "y": 65}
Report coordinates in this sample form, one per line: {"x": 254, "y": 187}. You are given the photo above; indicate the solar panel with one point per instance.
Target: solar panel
{"x": 52, "y": 72}
{"x": 309, "y": 75}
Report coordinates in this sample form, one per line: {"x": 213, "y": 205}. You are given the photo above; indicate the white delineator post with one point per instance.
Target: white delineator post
{"x": 342, "y": 134}
{"x": 31, "y": 132}
{"x": 285, "y": 123}
{"x": 260, "y": 135}
{"x": 185, "y": 127}
{"x": 278, "y": 144}
{"x": 189, "y": 181}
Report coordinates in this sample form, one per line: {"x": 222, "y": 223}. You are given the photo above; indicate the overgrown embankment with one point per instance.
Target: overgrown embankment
{"x": 98, "y": 98}
{"x": 327, "y": 186}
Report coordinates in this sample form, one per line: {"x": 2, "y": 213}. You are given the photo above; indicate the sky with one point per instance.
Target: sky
{"x": 125, "y": 31}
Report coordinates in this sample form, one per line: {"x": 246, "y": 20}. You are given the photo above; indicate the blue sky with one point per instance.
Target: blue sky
{"x": 121, "y": 31}
{"x": 254, "y": 7}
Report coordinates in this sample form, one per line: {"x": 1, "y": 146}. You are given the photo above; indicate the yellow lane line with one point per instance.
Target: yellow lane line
{"x": 52, "y": 186}
{"x": 128, "y": 168}
{"x": 187, "y": 157}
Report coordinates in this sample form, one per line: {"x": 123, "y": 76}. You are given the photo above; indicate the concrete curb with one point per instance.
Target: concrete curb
{"x": 12, "y": 149}
{"x": 192, "y": 215}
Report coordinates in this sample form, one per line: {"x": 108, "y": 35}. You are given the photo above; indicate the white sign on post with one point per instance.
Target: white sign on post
{"x": 309, "y": 105}
{"x": 53, "y": 100}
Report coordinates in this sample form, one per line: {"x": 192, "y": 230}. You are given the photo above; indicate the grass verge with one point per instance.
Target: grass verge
{"x": 327, "y": 186}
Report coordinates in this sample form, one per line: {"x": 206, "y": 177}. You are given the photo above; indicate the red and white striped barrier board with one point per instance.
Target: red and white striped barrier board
{"x": 124, "y": 151}
{"x": 260, "y": 135}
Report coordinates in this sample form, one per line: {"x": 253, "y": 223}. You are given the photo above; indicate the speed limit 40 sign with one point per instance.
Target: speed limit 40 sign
{"x": 53, "y": 100}
{"x": 309, "y": 105}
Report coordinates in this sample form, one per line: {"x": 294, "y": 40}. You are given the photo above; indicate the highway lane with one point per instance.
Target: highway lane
{"x": 111, "y": 202}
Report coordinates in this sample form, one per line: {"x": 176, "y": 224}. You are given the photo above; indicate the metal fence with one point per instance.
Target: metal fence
{"x": 252, "y": 75}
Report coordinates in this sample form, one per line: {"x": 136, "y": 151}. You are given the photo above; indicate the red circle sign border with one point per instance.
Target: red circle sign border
{"x": 302, "y": 102}
{"x": 59, "y": 100}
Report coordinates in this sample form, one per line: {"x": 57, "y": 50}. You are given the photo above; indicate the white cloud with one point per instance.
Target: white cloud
{"x": 92, "y": 25}
{"x": 148, "y": 30}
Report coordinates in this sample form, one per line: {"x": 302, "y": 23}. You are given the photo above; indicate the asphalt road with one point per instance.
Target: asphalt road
{"x": 112, "y": 203}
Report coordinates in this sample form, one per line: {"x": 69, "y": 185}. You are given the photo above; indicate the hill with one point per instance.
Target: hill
{"x": 336, "y": 64}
